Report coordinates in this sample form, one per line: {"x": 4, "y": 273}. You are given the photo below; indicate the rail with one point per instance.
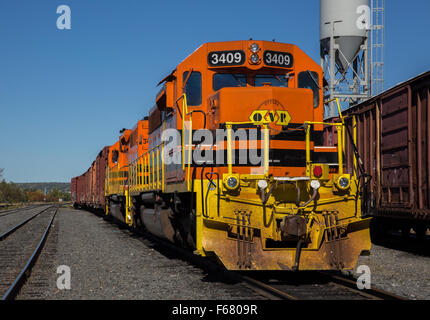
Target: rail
{"x": 340, "y": 286}
{"x": 11, "y": 211}
{"x": 372, "y": 293}
{"x": 5, "y": 234}
{"x": 25, "y": 272}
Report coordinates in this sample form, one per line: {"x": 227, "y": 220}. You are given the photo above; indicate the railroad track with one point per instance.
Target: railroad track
{"x": 8, "y": 212}
{"x": 20, "y": 247}
{"x": 314, "y": 286}
{"x": 279, "y": 285}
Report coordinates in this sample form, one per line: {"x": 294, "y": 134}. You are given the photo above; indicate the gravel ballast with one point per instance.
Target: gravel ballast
{"x": 107, "y": 262}
{"x": 9, "y": 220}
{"x": 399, "y": 272}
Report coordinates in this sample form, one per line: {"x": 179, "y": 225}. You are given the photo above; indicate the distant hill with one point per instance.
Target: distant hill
{"x": 61, "y": 186}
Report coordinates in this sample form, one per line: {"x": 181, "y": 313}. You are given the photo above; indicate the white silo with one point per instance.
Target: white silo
{"x": 344, "y": 30}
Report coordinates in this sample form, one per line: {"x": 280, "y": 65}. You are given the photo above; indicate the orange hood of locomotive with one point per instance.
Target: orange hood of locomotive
{"x": 276, "y": 105}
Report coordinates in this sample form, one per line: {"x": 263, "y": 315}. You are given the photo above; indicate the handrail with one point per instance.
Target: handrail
{"x": 340, "y": 144}
{"x": 342, "y": 118}
{"x": 338, "y": 108}
{"x": 153, "y": 171}
{"x": 135, "y": 177}
{"x": 229, "y": 149}
{"x": 116, "y": 184}
{"x": 229, "y": 126}
{"x": 183, "y": 114}
{"x": 147, "y": 171}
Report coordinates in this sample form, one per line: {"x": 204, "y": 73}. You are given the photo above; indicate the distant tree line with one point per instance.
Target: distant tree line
{"x": 46, "y": 186}
{"x": 12, "y": 193}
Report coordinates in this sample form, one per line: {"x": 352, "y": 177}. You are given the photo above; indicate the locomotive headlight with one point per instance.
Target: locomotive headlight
{"x": 231, "y": 182}
{"x": 343, "y": 182}
{"x": 254, "y": 48}
{"x": 262, "y": 184}
{"x": 315, "y": 184}
{"x": 255, "y": 58}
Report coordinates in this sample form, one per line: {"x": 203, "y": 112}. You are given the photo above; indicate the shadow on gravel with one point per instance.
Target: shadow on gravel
{"x": 420, "y": 247}
{"x": 386, "y": 234}
{"x": 396, "y": 241}
{"x": 213, "y": 272}
{"x": 291, "y": 278}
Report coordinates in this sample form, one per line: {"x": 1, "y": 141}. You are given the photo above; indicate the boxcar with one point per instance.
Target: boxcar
{"x": 88, "y": 189}
{"x": 100, "y": 174}
{"x": 73, "y": 190}
{"x": 80, "y": 189}
{"x": 393, "y": 131}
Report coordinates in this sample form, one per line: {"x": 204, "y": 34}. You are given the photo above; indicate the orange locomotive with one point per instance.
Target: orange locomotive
{"x": 131, "y": 145}
{"x": 231, "y": 163}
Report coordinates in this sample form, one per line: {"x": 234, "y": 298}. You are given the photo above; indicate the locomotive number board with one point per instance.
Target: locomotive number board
{"x": 278, "y": 59}
{"x": 226, "y": 58}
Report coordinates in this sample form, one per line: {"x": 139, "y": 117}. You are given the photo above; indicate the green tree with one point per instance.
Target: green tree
{"x": 65, "y": 195}
{"x": 35, "y": 195}
{"x": 54, "y": 195}
{"x": 2, "y": 189}
{"x": 10, "y": 192}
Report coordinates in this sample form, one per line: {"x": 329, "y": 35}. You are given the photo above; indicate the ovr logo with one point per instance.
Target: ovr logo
{"x": 278, "y": 117}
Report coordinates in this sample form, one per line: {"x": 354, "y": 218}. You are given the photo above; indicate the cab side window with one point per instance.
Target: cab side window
{"x": 193, "y": 88}
{"x": 310, "y": 80}
{"x": 115, "y": 156}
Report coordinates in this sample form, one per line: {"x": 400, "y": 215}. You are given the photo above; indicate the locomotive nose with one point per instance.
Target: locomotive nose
{"x": 275, "y": 106}
{"x": 281, "y": 110}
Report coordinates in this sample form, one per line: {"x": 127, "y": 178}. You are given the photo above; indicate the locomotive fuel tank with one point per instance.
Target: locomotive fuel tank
{"x": 116, "y": 211}
{"x": 157, "y": 222}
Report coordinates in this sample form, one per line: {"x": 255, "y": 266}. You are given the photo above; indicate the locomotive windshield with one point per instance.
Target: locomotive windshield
{"x": 275, "y": 80}
{"x": 223, "y": 80}
{"x": 228, "y": 80}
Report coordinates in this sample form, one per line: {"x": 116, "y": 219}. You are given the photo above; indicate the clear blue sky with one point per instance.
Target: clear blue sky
{"x": 64, "y": 94}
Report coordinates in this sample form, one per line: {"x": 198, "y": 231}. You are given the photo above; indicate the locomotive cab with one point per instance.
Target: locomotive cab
{"x": 117, "y": 176}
